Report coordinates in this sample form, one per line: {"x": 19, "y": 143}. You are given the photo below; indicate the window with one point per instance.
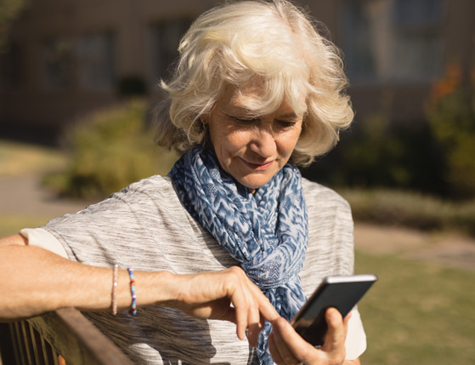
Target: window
{"x": 95, "y": 55}
{"x": 392, "y": 40}
{"x": 164, "y": 40}
{"x": 58, "y": 62}
{"x": 417, "y": 13}
{"x": 11, "y": 68}
{"x": 86, "y": 62}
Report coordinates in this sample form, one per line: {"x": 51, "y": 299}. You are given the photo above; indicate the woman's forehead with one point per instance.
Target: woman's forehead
{"x": 251, "y": 100}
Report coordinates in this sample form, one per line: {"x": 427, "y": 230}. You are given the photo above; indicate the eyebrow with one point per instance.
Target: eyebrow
{"x": 288, "y": 115}
{"x": 241, "y": 110}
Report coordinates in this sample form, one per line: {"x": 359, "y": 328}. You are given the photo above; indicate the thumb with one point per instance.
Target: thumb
{"x": 336, "y": 334}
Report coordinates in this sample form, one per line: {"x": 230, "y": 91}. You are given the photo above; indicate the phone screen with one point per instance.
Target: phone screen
{"x": 340, "y": 292}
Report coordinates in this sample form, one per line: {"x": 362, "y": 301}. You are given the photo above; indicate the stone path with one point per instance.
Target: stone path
{"x": 448, "y": 248}
{"x": 23, "y": 195}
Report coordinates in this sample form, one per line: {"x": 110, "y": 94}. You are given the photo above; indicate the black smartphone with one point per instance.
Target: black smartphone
{"x": 340, "y": 292}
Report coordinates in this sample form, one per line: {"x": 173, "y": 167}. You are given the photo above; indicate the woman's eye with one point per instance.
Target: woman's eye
{"x": 243, "y": 120}
{"x": 286, "y": 124}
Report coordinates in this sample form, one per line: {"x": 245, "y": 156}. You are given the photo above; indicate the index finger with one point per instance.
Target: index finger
{"x": 266, "y": 308}
{"x": 257, "y": 316}
{"x": 251, "y": 311}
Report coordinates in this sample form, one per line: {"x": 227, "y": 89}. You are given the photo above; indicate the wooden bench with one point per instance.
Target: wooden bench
{"x": 61, "y": 337}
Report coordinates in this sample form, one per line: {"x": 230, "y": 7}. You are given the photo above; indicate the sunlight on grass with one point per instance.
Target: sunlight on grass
{"x": 20, "y": 158}
{"x": 417, "y": 313}
{"x": 13, "y": 224}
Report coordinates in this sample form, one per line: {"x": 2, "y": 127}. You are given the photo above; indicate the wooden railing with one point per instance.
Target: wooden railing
{"x": 61, "y": 337}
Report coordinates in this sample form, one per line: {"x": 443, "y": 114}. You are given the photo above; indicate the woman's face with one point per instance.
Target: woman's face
{"x": 251, "y": 149}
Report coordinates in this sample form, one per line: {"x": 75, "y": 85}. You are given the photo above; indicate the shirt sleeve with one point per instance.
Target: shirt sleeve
{"x": 356, "y": 338}
{"x": 331, "y": 251}
{"x": 40, "y": 237}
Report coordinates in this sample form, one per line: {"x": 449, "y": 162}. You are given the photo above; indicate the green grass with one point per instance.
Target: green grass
{"x": 417, "y": 313}
{"x": 18, "y": 158}
{"x": 11, "y": 224}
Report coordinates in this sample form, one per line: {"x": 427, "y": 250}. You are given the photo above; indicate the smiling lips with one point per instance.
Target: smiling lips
{"x": 259, "y": 166}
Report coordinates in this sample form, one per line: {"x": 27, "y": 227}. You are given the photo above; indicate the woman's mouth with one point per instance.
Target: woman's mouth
{"x": 259, "y": 166}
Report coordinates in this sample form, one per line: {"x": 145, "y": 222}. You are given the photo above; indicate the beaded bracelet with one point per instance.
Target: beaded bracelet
{"x": 133, "y": 306}
{"x": 114, "y": 290}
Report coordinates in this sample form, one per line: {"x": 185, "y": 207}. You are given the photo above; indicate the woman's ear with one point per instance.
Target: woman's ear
{"x": 205, "y": 142}
{"x": 204, "y": 120}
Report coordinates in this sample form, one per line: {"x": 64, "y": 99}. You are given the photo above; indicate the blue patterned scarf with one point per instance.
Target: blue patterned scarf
{"x": 266, "y": 232}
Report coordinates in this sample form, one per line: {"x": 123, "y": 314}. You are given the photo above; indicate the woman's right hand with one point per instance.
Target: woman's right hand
{"x": 225, "y": 295}
{"x": 287, "y": 347}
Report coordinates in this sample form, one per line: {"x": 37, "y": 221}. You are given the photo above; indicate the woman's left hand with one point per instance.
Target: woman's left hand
{"x": 288, "y": 348}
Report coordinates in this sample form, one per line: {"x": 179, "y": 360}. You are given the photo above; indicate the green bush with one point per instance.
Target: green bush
{"x": 452, "y": 118}
{"x": 435, "y": 155}
{"x": 108, "y": 150}
{"x": 414, "y": 210}
{"x": 378, "y": 153}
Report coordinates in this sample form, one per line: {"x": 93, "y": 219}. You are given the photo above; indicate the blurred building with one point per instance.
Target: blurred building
{"x": 68, "y": 57}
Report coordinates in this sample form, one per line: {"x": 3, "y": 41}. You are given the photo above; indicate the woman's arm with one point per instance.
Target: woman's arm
{"x": 40, "y": 281}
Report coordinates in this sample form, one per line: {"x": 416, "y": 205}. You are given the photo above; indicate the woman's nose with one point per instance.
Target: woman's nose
{"x": 263, "y": 142}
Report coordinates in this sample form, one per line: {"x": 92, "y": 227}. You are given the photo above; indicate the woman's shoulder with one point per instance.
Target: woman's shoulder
{"x": 144, "y": 197}
{"x": 156, "y": 183}
{"x": 152, "y": 193}
{"x": 153, "y": 188}
{"x": 141, "y": 196}
{"x": 318, "y": 196}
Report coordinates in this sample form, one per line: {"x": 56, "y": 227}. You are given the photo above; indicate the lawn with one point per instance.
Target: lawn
{"x": 11, "y": 224}
{"x": 417, "y": 313}
{"x": 19, "y": 158}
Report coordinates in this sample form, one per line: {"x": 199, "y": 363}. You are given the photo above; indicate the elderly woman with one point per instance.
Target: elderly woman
{"x": 233, "y": 239}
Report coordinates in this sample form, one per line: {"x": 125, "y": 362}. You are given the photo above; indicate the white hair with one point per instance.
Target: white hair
{"x": 274, "y": 43}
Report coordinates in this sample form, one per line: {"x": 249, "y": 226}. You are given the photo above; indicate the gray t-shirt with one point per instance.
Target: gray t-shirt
{"x": 146, "y": 227}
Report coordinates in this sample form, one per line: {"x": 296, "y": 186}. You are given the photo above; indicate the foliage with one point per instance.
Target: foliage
{"x": 377, "y": 153}
{"x": 435, "y": 155}
{"x": 9, "y": 11}
{"x": 451, "y": 114}
{"x": 413, "y": 210}
{"x": 109, "y": 150}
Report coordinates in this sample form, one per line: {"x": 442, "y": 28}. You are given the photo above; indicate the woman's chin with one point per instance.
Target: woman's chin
{"x": 254, "y": 181}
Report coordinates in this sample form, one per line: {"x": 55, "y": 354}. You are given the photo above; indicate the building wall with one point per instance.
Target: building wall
{"x": 67, "y": 56}
{"x": 413, "y": 56}
{"x": 65, "y": 30}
